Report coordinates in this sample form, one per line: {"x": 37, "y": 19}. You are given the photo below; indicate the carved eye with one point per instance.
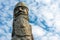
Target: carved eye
{"x": 16, "y": 10}
{"x": 22, "y": 8}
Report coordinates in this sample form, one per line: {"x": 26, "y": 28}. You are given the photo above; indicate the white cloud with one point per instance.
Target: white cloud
{"x": 37, "y": 31}
{"x": 44, "y": 38}
{"x": 57, "y": 26}
{"x": 38, "y": 0}
{"x": 55, "y": 37}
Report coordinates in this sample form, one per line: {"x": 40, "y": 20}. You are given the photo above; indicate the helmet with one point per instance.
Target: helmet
{"x": 21, "y": 4}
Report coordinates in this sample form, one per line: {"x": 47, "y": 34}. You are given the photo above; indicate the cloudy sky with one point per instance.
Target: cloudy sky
{"x": 44, "y": 17}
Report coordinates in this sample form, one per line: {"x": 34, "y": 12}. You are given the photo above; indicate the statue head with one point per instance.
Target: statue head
{"x": 21, "y": 8}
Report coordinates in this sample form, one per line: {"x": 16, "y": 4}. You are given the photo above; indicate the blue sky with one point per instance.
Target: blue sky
{"x": 44, "y": 17}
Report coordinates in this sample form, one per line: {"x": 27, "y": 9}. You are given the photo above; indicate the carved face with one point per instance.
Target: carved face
{"x": 21, "y": 10}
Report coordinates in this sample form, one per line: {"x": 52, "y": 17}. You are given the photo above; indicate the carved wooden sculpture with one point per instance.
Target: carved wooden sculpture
{"x": 21, "y": 28}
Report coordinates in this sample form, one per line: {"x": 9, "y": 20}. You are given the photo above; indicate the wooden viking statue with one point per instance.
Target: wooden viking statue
{"x": 21, "y": 28}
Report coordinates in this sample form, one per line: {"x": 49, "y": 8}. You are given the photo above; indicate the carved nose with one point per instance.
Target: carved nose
{"x": 20, "y": 9}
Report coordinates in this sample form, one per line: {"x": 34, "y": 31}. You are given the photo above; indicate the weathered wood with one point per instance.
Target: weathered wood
{"x": 21, "y": 28}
